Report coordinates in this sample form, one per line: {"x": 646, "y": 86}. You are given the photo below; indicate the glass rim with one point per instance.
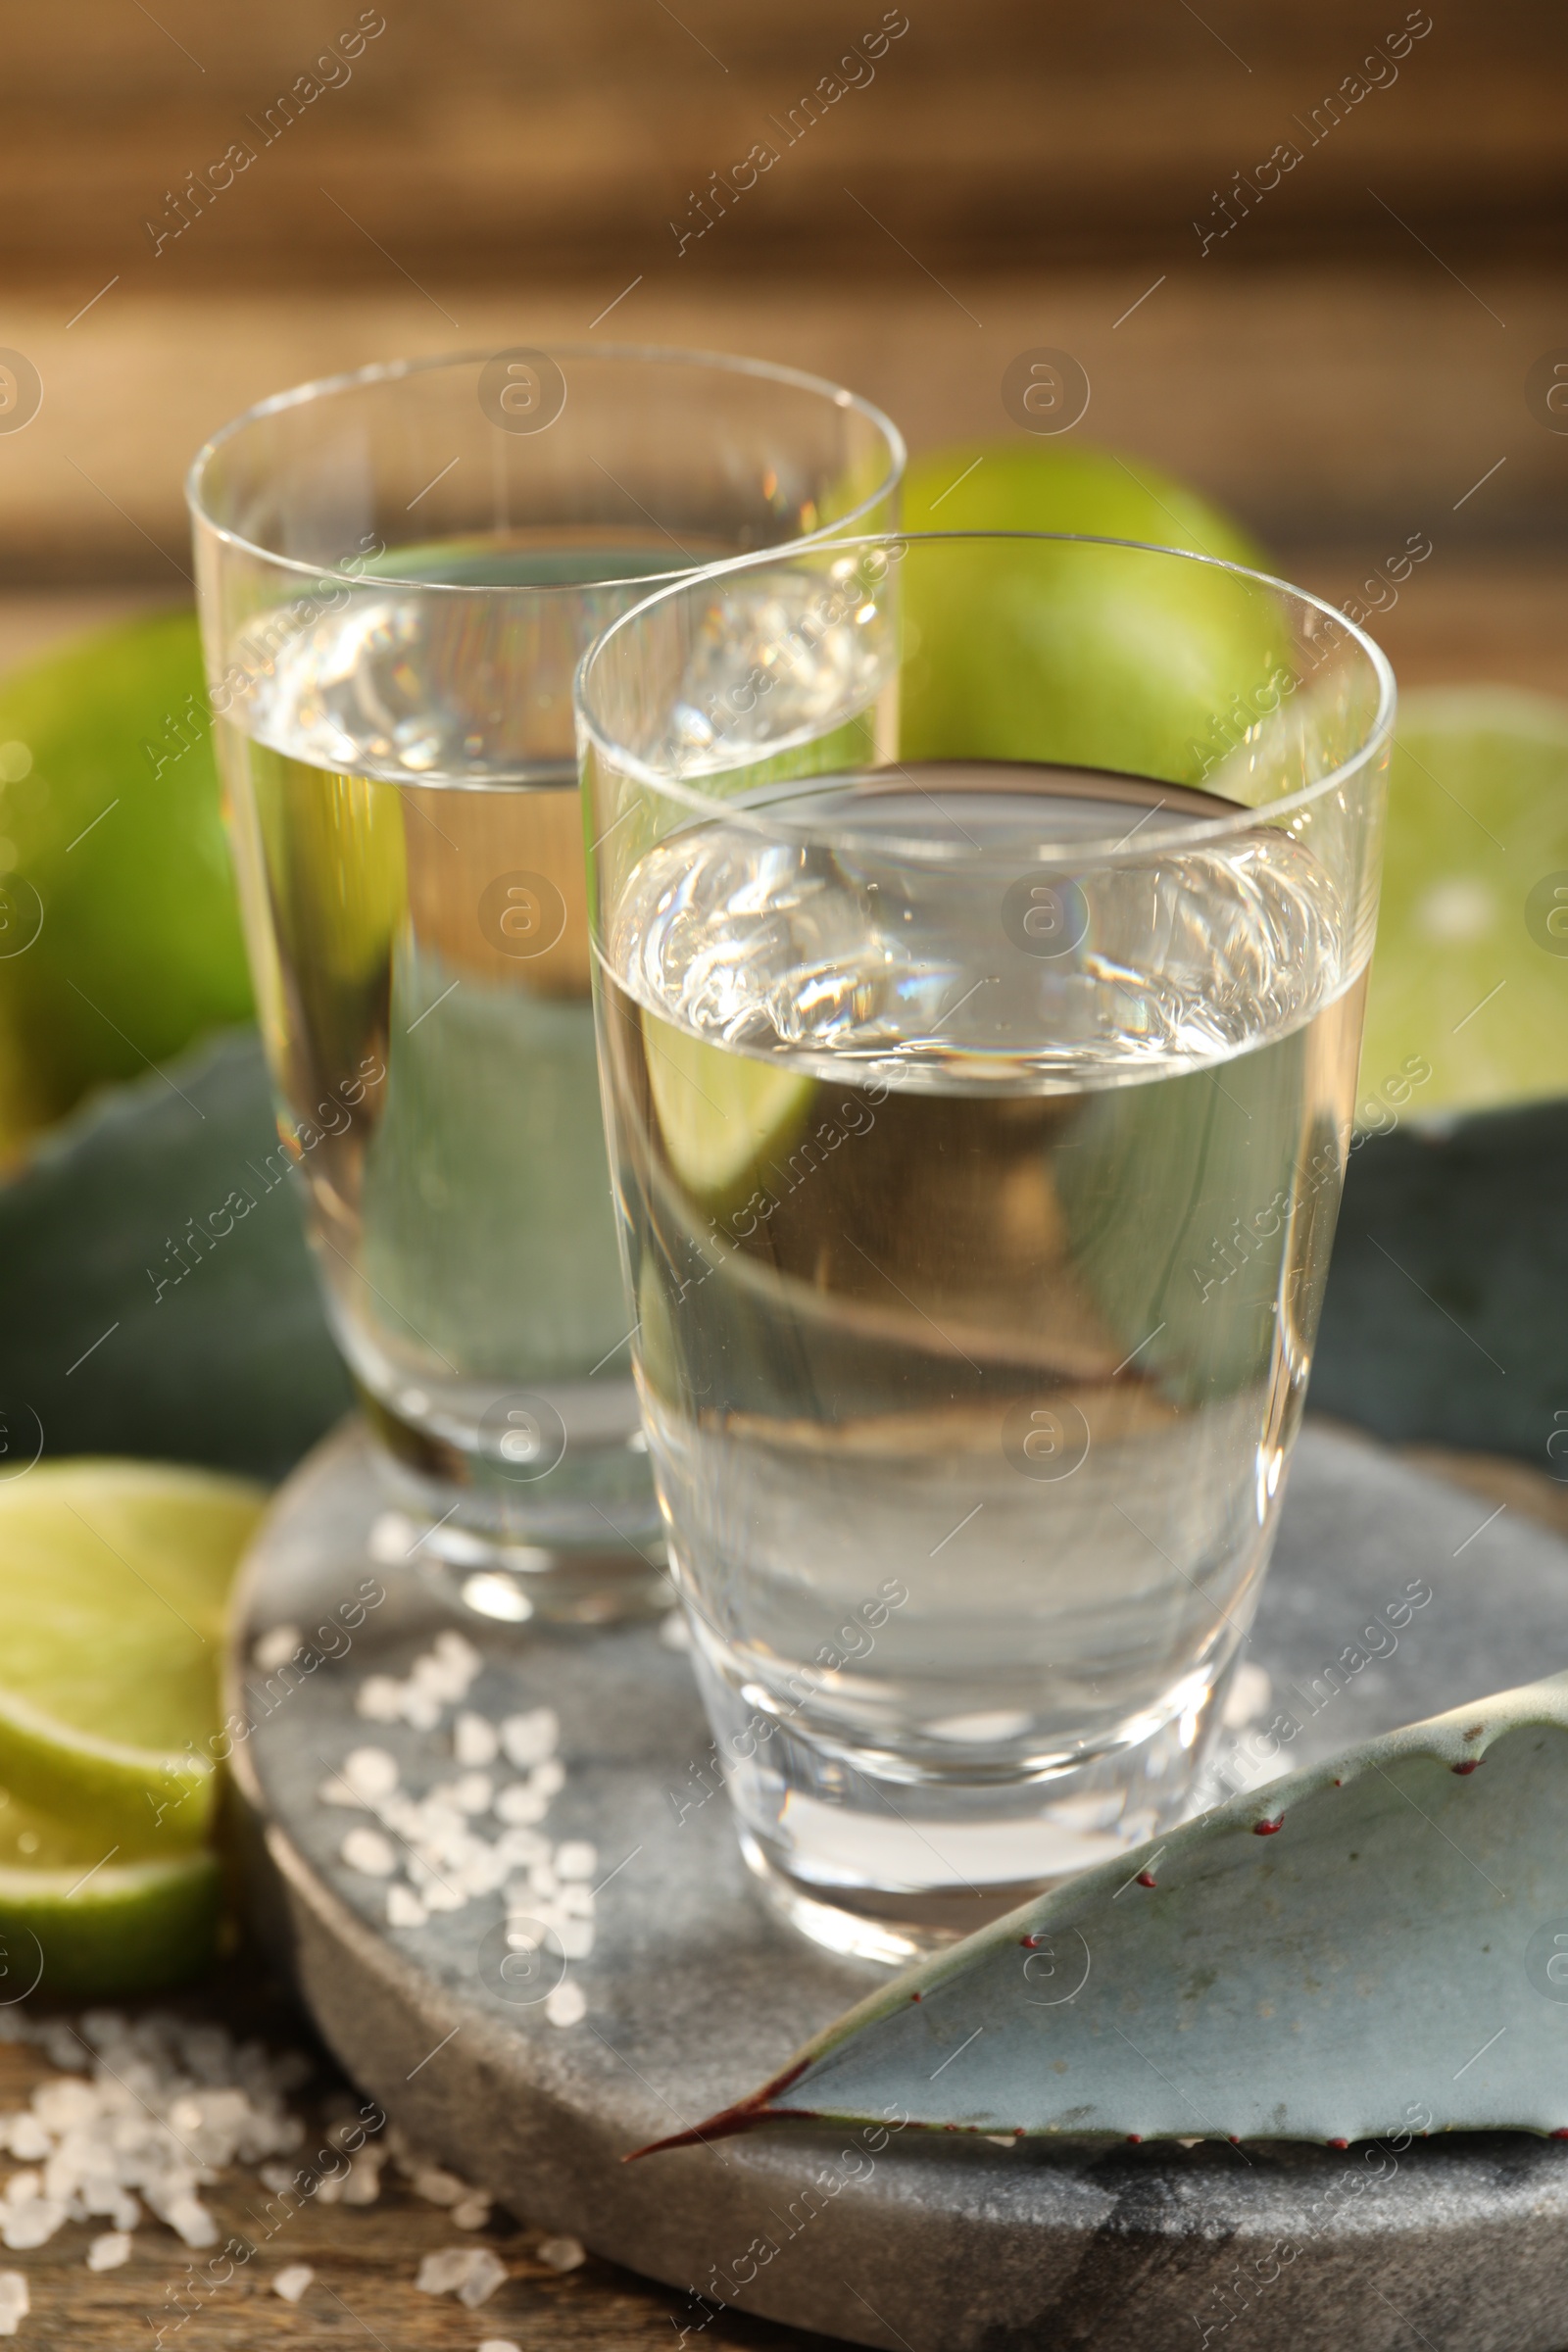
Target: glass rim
{"x": 1076, "y": 852}
{"x": 393, "y": 372}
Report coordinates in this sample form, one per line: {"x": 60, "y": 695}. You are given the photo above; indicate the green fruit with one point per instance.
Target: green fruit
{"x": 1094, "y": 657}
{"x": 1469, "y": 984}
{"x": 84, "y": 1932}
{"x": 119, "y": 935}
{"x": 720, "y": 1115}
{"x": 114, "y": 1581}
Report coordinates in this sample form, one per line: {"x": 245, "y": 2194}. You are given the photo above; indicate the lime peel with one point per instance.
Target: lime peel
{"x": 119, "y": 1928}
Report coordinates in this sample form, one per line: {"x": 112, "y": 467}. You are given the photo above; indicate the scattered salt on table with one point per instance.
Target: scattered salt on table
{"x": 15, "y": 2301}
{"x": 108, "y": 2252}
{"x": 562, "y": 2253}
{"x": 470, "y": 2272}
{"x": 292, "y": 2281}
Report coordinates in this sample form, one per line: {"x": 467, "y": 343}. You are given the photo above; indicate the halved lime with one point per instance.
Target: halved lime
{"x": 726, "y": 1118}
{"x": 117, "y": 1928}
{"x": 1470, "y": 978}
{"x": 114, "y": 1579}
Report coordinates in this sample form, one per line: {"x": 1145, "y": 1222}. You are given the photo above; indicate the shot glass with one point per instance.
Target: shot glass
{"x": 398, "y": 572}
{"x": 981, "y": 929}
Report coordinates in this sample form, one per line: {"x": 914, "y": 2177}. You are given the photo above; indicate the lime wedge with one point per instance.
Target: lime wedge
{"x": 114, "y": 1579}
{"x": 119, "y": 1928}
{"x": 1470, "y": 978}
{"x": 724, "y": 1117}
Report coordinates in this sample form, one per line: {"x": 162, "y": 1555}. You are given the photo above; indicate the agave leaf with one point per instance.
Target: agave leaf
{"x": 1372, "y": 1946}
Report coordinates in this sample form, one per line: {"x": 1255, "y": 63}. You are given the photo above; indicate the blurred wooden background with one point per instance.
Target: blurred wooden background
{"x": 1346, "y": 365}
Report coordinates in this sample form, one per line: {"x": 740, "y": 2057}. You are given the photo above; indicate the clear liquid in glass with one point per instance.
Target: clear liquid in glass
{"x": 409, "y": 836}
{"x": 977, "y": 1241}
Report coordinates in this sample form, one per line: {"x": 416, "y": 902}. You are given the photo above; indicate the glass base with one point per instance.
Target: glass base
{"x": 583, "y": 1543}
{"x": 890, "y": 1870}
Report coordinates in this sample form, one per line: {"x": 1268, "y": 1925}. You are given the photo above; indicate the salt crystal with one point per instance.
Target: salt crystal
{"x": 474, "y": 1740}
{"x": 404, "y": 1908}
{"x": 419, "y": 1708}
{"x": 291, "y": 2283}
{"x": 549, "y": 1777}
{"x": 486, "y": 2272}
{"x": 575, "y": 1858}
{"x": 30, "y": 2224}
{"x": 15, "y": 2301}
{"x": 275, "y": 1649}
{"x": 21, "y": 2186}
{"x": 575, "y": 1900}
{"x": 473, "y": 2212}
{"x": 438, "y": 2187}
{"x": 364, "y": 2183}
{"x": 27, "y": 2138}
{"x": 473, "y": 1792}
{"x": 529, "y": 1739}
{"x": 542, "y": 1878}
{"x": 108, "y": 2252}
{"x": 392, "y": 1537}
{"x": 371, "y": 1771}
{"x": 575, "y": 1938}
{"x": 439, "y": 2273}
{"x": 459, "y": 1652}
{"x": 190, "y": 2219}
{"x": 567, "y": 2004}
{"x": 368, "y": 1851}
{"x": 562, "y": 2253}
{"x": 380, "y": 1699}
{"x": 521, "y": 1802}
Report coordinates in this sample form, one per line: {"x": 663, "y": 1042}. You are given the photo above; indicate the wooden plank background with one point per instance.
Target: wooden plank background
{"x": 1348, "y": 361}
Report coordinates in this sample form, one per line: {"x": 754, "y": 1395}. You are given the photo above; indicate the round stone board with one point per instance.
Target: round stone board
{"x": 692, "y": 1993}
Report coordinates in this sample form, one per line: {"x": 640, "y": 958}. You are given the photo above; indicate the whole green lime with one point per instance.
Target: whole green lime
{"x": 1101, "y": 656}
{"x": 1470, "y": 980}
{"x": 119, "y": 937}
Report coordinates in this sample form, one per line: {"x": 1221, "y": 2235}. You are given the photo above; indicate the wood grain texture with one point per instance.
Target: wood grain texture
{"x": 468, "y": 141}
{"x": 1323, "y": 405}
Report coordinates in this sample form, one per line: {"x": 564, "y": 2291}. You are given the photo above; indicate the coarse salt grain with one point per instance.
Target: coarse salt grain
{"x": 575, "y": 1858}
{"x": 528, "y": 1739}
{"x": 291, "y": 2283}
{"x": 108, "y": 2252}
{"x": 404, "y": 1908}
{"x": 562, "y": 2253}
{"x": 470, "y": 2272}
{"x": 368, "y": 1852}
{"x": 380, "y": 1699}
{"x": 474, "y": 1740}
{"x": 23, "y": 2227}
{"x": 364, "y": 2183}
{"x": 549, "y": 1777}
{"x": 473, "y": 2212}
{"x": 522, "y": 1803}
{"x": 437, "y": 2186}
{"x": 371, "y": 1771}
{"x": 568, "y": 2005}
{"x": 15, "y": 2301}
{"x": 499, "y": 2343}
{"x": 275, "y": 1649}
